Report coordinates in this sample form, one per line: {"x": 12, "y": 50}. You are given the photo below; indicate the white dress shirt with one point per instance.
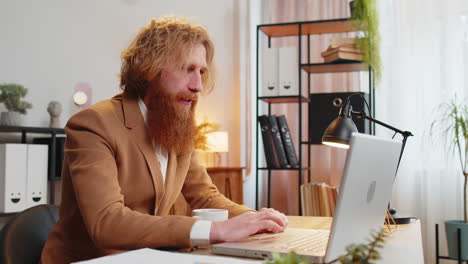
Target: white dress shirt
{"x": 200, "y": 233}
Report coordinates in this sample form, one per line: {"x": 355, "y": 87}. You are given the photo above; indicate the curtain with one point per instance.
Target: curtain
{"x": 425, "y": 58}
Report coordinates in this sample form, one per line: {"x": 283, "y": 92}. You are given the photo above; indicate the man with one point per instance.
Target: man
{"x": 128, "y": 158}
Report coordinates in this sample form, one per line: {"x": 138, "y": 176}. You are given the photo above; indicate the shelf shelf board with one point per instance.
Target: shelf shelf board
{"x": 308, "y": 27}
{"x": 334, "y": 67}
{"x": 44, "y": 130}
{"x": 283, "y": 99}
{"x": 277, "y": 169}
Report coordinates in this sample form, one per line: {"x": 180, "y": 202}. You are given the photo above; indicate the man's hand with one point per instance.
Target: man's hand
{"x": 246, "y": 224}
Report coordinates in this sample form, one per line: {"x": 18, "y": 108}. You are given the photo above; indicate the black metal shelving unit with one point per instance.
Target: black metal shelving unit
{"x": 302, "y": 29}
{"x": 53, "y": 132}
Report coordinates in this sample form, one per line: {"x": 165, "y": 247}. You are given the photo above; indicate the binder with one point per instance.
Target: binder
{"x": 279, "y": 148}
{"x": 288, "y": 71}
{"x": 36, "y": 176}
{"x": 12, "y": 177}
{"x": 268, "y": 142}
{"x": 287, "y": 141}
{"x": 270, "y": 73}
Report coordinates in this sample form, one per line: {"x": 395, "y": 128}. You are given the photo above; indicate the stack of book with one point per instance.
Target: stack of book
{"x": 318, "y": 199}
{"x": 277, "y": 142}
{"x": 342, "y": 50}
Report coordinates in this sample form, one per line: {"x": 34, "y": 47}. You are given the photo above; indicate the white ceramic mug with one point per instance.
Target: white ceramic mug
{"x": 210, "y": 214}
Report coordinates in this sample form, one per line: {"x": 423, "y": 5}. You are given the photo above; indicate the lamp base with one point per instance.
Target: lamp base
{"x": 401, "y": 219}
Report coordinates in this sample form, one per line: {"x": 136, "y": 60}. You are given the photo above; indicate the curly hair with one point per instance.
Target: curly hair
{"x": 161, "y": 42}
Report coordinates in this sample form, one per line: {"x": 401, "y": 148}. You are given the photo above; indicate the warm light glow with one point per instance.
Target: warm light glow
{"x": 337, "y": 145}
{"x": 217, "y": 141}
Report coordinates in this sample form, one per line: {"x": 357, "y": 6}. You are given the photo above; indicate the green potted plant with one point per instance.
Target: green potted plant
{"x": 452, "y": 126}
{"x": 366, "y": 20}
{"x": 11, "y": 95}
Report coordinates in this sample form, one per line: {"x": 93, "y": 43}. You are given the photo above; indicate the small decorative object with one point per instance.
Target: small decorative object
{"x": 452, "y": 126}
{"x": 365, "y": 19}
{"x": 80, "y": 98}
{"x": 54, "y": 109}
{"x": 10, "y": 95}
{"x": 365, "y": 253}
{"x": 82, "y": 95}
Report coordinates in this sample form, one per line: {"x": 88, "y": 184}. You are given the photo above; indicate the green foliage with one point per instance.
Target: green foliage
{"x": 201, "y": 131}
{"x": 290, "y": 258}
{"x": 11, "y": 94}
{"x": 365, "y": 19}
{"x": 362, "y": 253}
{"x": 452, "y": 125}
{"x": 356, "y": 254}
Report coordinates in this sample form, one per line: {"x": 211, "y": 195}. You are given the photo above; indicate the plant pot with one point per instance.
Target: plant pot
{"x": 11, "y": 118}
{"x": 451, "y": 228}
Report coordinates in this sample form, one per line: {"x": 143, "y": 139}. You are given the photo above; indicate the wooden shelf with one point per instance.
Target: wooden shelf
{"x": 334, "y": 67}
{"x": 263, "y": 168}
{"x": 283, "y": 99}
{"x": 43, "y": 130}
{"x": 308, "y": 28}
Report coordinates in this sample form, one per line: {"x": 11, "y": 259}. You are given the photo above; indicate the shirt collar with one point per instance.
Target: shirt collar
{"x": 143, "y": 108}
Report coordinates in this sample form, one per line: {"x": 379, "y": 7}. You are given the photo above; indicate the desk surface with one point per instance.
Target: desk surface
{"x": 402, "y": 246}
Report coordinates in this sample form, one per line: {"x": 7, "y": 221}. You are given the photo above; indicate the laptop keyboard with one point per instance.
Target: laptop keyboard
{"x": 315, "y": 242}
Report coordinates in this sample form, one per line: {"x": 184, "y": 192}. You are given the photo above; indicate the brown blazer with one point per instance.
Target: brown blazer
{"x": 112, "y": 188}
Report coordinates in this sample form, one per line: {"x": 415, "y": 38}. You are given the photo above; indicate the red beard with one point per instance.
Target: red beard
{"x": 170, "y": 123}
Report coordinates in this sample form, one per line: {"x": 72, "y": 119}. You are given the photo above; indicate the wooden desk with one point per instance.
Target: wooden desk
{"x": 402, "y": 246}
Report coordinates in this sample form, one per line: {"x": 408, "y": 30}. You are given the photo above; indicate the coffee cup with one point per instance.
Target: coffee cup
{"x": 211, "y": 214}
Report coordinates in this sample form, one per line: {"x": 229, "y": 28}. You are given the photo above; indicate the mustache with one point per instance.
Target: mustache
{"x": 188, "y": 95}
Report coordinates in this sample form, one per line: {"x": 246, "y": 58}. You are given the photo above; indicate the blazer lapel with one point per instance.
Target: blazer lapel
{"x": 135, "y": 123}
{"x": 176, "y": 172}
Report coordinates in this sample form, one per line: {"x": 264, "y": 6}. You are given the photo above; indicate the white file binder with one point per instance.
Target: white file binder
{"x": 12, "y": 177}
{"x": 269, "y": 84}
{"x": 36, "y": 179}
{"x": 288, "y": 71}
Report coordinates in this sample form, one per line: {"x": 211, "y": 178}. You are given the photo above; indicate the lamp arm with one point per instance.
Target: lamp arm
{"x": 405, "y": 134}
{"x": 364, "y": 116}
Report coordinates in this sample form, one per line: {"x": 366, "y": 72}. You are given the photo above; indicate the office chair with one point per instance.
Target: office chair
{"x": 24, "y": 236}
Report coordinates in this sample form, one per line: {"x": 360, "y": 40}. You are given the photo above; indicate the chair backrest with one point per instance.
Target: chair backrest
{"x": 24, "y": 236}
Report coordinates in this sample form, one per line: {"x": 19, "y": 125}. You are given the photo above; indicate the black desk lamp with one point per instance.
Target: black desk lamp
{"x": 338, "y": 134}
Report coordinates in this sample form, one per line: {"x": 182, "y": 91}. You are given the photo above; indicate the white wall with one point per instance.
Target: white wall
{"x": 51, "y": 45}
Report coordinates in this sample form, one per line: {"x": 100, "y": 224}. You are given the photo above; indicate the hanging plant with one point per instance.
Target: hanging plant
{"x": 365, "y": 19}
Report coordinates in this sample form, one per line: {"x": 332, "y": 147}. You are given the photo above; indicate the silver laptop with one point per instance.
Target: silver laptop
{"x": 365, "y": 191}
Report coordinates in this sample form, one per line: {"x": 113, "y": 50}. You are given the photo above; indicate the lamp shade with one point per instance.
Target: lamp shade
{"x": 338, "y": 133}
{"x": 217, "y": 141}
